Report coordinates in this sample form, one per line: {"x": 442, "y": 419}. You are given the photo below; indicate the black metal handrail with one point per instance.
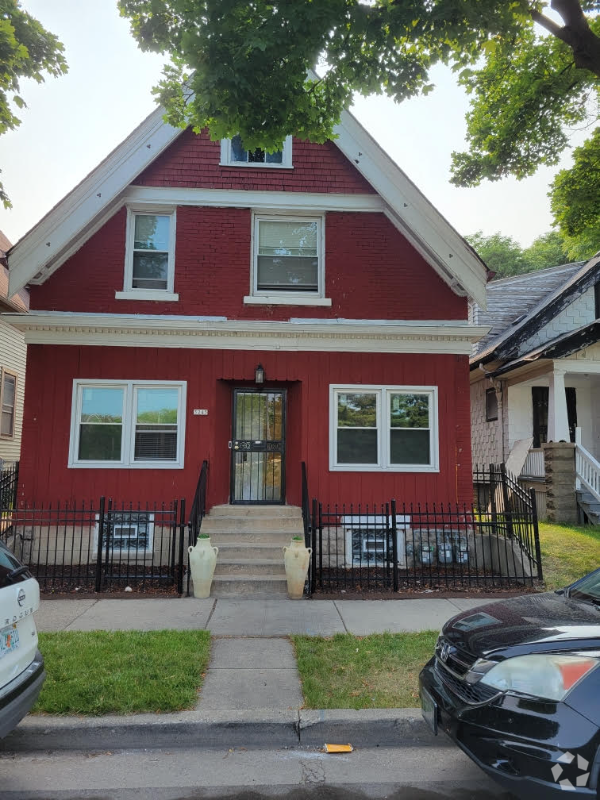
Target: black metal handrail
{"x": 308, "y": 530}
{"x": 197, "y": 513}
{"x": 198, "y": 509}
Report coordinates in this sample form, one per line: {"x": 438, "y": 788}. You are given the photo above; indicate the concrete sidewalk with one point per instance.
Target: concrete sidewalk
{"x": 254, "y": 617}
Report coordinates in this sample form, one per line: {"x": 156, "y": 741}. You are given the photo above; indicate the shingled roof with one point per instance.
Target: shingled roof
{"x": 517, "y": 302}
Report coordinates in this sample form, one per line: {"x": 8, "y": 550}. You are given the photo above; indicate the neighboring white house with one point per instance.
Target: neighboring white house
{"x": 536, "y": 376}
{"x": 13, "y": 354}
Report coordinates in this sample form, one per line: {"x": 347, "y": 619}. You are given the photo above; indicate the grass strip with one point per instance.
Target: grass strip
{"x": 568, "y": 552}
{"x": 122, "y": 672}
{"x": 377, "y": 671}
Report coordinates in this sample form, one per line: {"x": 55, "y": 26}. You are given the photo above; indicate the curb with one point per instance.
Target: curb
{"x": 259, "y": 728}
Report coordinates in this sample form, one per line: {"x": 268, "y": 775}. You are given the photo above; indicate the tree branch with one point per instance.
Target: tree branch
{"x": 575, "y": 33}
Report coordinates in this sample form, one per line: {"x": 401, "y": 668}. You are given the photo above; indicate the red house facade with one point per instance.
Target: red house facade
{"x": 193, "y": 301}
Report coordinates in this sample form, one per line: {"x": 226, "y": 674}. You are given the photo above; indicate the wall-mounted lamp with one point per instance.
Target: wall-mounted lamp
{"x": 259, "y": 374}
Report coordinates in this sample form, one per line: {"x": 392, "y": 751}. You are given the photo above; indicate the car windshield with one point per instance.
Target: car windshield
{"x": 8, "y": 566}
{"x": 588, "y": 589}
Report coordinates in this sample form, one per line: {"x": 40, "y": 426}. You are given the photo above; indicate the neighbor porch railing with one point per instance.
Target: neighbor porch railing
{"x": 587, "y": 469}
{"x": 534, "y": 466}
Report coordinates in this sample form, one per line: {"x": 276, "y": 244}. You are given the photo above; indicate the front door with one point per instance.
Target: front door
{"x": 258, "y": 446}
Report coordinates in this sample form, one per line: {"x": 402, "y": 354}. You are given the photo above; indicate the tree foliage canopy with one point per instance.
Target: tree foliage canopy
{"x": 240, "y": 66}
{"x": 505, "y": 256}
{"x": 27, "y": 50}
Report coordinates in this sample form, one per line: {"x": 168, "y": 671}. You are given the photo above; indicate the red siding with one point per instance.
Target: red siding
{"x": 193, "y": 161}
{"x": 211, "y": 374}
{"x": 371, "y": 271}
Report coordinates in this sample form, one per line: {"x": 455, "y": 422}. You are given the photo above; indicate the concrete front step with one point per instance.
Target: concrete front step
{"x": 250, "y": 524}
{"x": 255, "y": 511}
{"x": 245, "y": 584}
{"x": 272, "y": 538}
{"x": 241, "y": 551}
{"x": 228, "y": 567}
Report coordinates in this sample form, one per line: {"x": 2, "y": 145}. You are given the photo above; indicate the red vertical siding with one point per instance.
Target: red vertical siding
{"x": 210, "y": 376}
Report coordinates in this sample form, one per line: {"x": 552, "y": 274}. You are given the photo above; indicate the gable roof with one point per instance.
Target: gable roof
{"x": 19, "y": 301}
{"x": 521, "y": 305}
{"x": 88, "y": 206}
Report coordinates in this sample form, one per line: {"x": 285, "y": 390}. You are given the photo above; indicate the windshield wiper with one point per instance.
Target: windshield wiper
{"x": 15, "y": 573}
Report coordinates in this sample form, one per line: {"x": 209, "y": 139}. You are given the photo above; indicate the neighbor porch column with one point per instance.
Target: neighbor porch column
{"x": 558, "y": 419}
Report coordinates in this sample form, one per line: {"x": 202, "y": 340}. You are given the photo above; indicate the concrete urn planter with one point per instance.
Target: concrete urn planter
{"x": 203, "y": 559}
{"x": 296, "y": 559}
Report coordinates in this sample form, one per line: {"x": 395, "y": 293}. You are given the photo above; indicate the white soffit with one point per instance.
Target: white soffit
{"x": 90, "y": 204}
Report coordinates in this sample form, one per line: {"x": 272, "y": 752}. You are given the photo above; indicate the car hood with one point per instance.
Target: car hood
{"x": 535, "y": 622}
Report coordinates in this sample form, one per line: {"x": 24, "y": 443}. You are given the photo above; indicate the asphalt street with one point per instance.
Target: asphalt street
{"x": 409, "y": 773}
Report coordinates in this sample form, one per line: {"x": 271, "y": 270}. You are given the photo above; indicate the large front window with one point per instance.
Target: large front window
{"x": 384, "y": 428}
{"x": 127, "y": 424}
{"x": 287, "y": 256}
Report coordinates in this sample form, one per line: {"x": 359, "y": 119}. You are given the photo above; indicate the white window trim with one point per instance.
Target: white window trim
{"x": 3, "y": 372}
{"x": 128, "y": 425}
{"x": 145, "y": 551}
{"x": 286, "y": 158}
{"x": 287, "y": 298}
{"x": 131, "y": 293}
{"x": 383, "y": 392}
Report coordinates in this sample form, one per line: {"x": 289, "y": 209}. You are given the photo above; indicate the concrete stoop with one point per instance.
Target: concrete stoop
{"x": 589, "y": 505}
{"x": 250, "y": 541}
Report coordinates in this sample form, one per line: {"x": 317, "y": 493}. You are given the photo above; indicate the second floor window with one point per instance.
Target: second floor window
{"x": 8, "y": 393}
{"x": 287, "y": 255}
{"x": 149, "y": 268}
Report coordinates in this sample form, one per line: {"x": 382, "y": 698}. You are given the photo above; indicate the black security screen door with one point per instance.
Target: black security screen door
{"x": 258, "y": 446}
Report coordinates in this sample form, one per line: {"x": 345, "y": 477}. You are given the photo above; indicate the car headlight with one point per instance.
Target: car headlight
{"x": 550, "y": 677}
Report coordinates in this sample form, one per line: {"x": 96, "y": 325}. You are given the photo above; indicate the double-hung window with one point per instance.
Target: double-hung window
{"x": 383, "y": 428}
{"x": 127, "y": 424}
{"x": 8, "y": 397}
{"x": 150, "y": 256}
{"x": 288, "y": 256}
{"x": 234, "y": 154}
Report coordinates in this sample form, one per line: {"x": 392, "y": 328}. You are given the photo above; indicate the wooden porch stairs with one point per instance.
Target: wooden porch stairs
{"x": 250, "y": 541}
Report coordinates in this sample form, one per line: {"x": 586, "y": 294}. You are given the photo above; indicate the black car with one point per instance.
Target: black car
{"x": 516, "y": 684}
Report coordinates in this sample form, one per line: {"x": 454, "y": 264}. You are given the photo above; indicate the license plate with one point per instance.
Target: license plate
{"x": 9, "y": 640}
{"x": 429, "y": 710}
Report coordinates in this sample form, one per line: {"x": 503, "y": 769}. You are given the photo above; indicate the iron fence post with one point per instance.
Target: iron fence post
{"x": 181, "y": 528}
{"x": 505, "y": 497}
{"x": 313, "y": 531}
{"x": 394, "y": 547}
{"x": 536, "y": 535}
{"x": 98, "y": 585}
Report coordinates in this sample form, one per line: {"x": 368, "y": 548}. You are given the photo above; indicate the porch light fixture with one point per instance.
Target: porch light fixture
{"x": 259, "y": 374}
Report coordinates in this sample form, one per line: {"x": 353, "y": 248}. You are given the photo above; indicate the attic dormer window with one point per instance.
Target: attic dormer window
{"x": 234, "y": 154}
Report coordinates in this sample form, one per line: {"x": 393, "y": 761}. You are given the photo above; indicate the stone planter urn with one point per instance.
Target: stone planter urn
{"x": 203, "y": 559}
{"x": 296, "y": 559}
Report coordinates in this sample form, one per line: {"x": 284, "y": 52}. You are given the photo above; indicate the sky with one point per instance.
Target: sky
{"x": 73, "y": 122}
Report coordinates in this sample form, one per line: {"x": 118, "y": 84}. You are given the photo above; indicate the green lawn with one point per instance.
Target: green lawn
{"x": 377, "y": 671}
{"x": 122, "y": 672}
{"x": 568, "y": 552}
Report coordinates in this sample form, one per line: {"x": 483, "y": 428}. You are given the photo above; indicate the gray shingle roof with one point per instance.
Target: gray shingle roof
{"x": 511, "y": 299}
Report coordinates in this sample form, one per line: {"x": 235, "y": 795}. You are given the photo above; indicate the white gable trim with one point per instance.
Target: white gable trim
{"x": 72, "y": 221}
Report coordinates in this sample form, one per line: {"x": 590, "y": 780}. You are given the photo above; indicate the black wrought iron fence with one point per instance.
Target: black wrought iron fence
{"x": 392, "y": 547}
{"x": 100, "y": 546}
{"x": 9, "y": 480}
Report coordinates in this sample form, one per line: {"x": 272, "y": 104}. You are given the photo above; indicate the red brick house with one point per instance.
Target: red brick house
{"x": 191, "y": 301}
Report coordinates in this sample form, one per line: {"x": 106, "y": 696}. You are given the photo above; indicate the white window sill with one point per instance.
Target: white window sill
{"x": 120, "y": 465}
{"x": 254, "y": 165}
{"x": 375, "y": 468}
{"x": 147, "y": 294}
{"x": 286, "y": 300}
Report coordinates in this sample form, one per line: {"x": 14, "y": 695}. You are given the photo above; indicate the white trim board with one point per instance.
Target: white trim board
{"x": 123, "y": 330}
{"x": 64, "y": 229}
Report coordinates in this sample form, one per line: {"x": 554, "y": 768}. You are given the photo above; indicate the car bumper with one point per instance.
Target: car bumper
{"x": 492, "y": 735}
{"x": 19, "y": 696}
